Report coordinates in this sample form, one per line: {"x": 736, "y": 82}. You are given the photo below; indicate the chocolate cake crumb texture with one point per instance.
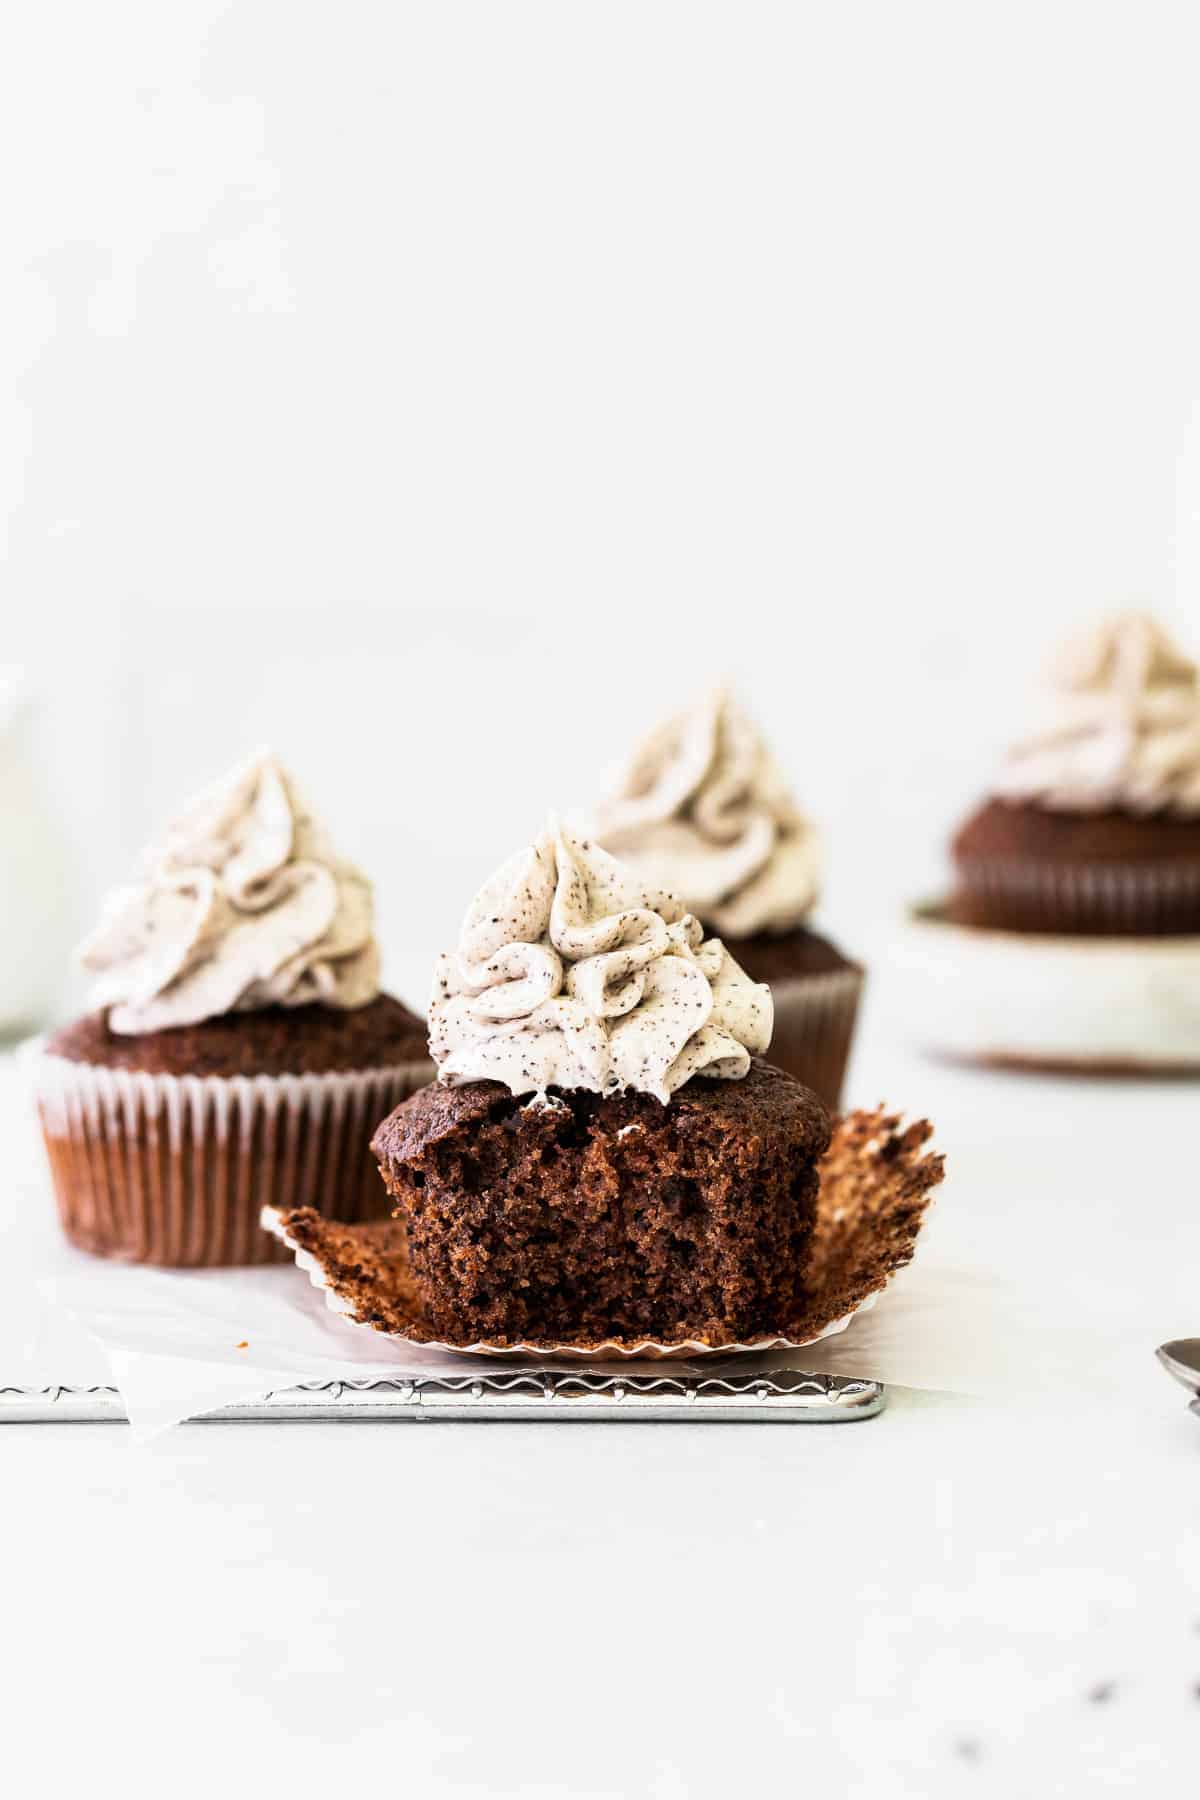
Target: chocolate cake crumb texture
{"x": 548, "y": 1220}
{"x": 875, "y": 1182}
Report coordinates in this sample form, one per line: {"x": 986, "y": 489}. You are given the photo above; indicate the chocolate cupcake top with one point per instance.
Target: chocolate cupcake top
{"x": 1118, "y": 728}
{"x": 573, "y": 972}
{"x": 703, "y": 807}
{"x": 244, "y": 904}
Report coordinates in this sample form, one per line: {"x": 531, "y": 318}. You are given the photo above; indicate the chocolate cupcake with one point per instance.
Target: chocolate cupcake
{"x": 241, "y": 1051}
{"x": 1093, "y": 825}
{"x": 604, "y": 1156}
{"x": 704, "y": 808}
{"x": 1072, "y": 938}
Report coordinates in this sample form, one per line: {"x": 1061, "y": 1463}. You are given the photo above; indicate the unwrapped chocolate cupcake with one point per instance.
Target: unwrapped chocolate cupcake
{"x": 703, "y": 808}
{"x": 1073, "y": 935}
{"x": 603, "y": 1154}
{"x": 606, "y": 1164}
{"x": 241, "y": 1051}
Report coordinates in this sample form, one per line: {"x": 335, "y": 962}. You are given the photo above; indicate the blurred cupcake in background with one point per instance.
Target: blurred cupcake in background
{"x": 703, "y": 809}
{"x": 1093, "y": 823}
{"x": 241, "y": 1052}
{"x": 1072, "y": 938}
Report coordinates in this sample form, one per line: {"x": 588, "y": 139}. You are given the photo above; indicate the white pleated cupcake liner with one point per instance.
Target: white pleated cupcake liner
{"x": 608, "y": 1350}
{"x": 175, "y": 1169}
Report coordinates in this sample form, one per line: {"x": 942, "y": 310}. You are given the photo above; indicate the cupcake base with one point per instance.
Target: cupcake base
{"x": 175, "y": 1170}
{"x": 164, "y": 1147}
{"x": 1102, "y": 1006}
{"x": 606, "y": 1215}
{"x": 815, "y": 1016}
{"x": 875, "y": 1182}
{"x": 1027, "y": 868}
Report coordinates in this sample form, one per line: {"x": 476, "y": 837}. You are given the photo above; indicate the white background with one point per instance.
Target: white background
{"x": 439, "y": 393}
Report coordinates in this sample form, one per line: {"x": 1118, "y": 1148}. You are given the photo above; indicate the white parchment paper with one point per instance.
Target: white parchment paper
{"x": 182, "y": 1344}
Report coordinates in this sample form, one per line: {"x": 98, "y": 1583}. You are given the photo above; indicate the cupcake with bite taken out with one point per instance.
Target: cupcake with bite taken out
{"x": 240, "y": 1051}
{"x": 604, "y": 1154}
{"x": 703, "y": 808}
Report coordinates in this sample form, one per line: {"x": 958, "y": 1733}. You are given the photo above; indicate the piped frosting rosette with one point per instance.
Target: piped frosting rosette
{"x": 573, "y": 972}
{"x": 243, "y": 904}
{"x": 703, "y": 807}
{"x": 1119, "y": 727}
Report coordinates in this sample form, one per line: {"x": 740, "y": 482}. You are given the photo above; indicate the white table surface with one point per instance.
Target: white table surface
{"x": 964, "y": 1595}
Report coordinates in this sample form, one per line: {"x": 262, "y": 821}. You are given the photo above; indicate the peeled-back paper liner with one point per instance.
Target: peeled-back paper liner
{"x": 815, "y": 1017}
{"x": 1124, "y": 898}
{"x": 876, "y": 1180}
{"x": 1116, "y": 1004}
{"x": 175, "y": 1169}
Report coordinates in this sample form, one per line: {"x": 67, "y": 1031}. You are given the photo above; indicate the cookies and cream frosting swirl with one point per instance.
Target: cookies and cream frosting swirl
{"x": 243, "y": 904}
{"x": 1119, "y": 728}
{"x": 573, "y": 972}
{"x": 703, "y": 807}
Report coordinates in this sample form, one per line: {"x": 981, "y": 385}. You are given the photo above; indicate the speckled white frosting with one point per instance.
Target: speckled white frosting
{"x": 572, "y": 972}
{"x": 244, "y": 904}
{"x": 703, "y": 807}
{"x": 1119, "y": 727}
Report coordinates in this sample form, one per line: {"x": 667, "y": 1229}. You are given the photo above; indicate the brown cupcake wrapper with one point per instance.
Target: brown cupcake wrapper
{"x": 815, "y": 1016}
{"x": 1097, "y": 899}
{"x": 877, "y": 1177}
{"x": 175, "y": 1169}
